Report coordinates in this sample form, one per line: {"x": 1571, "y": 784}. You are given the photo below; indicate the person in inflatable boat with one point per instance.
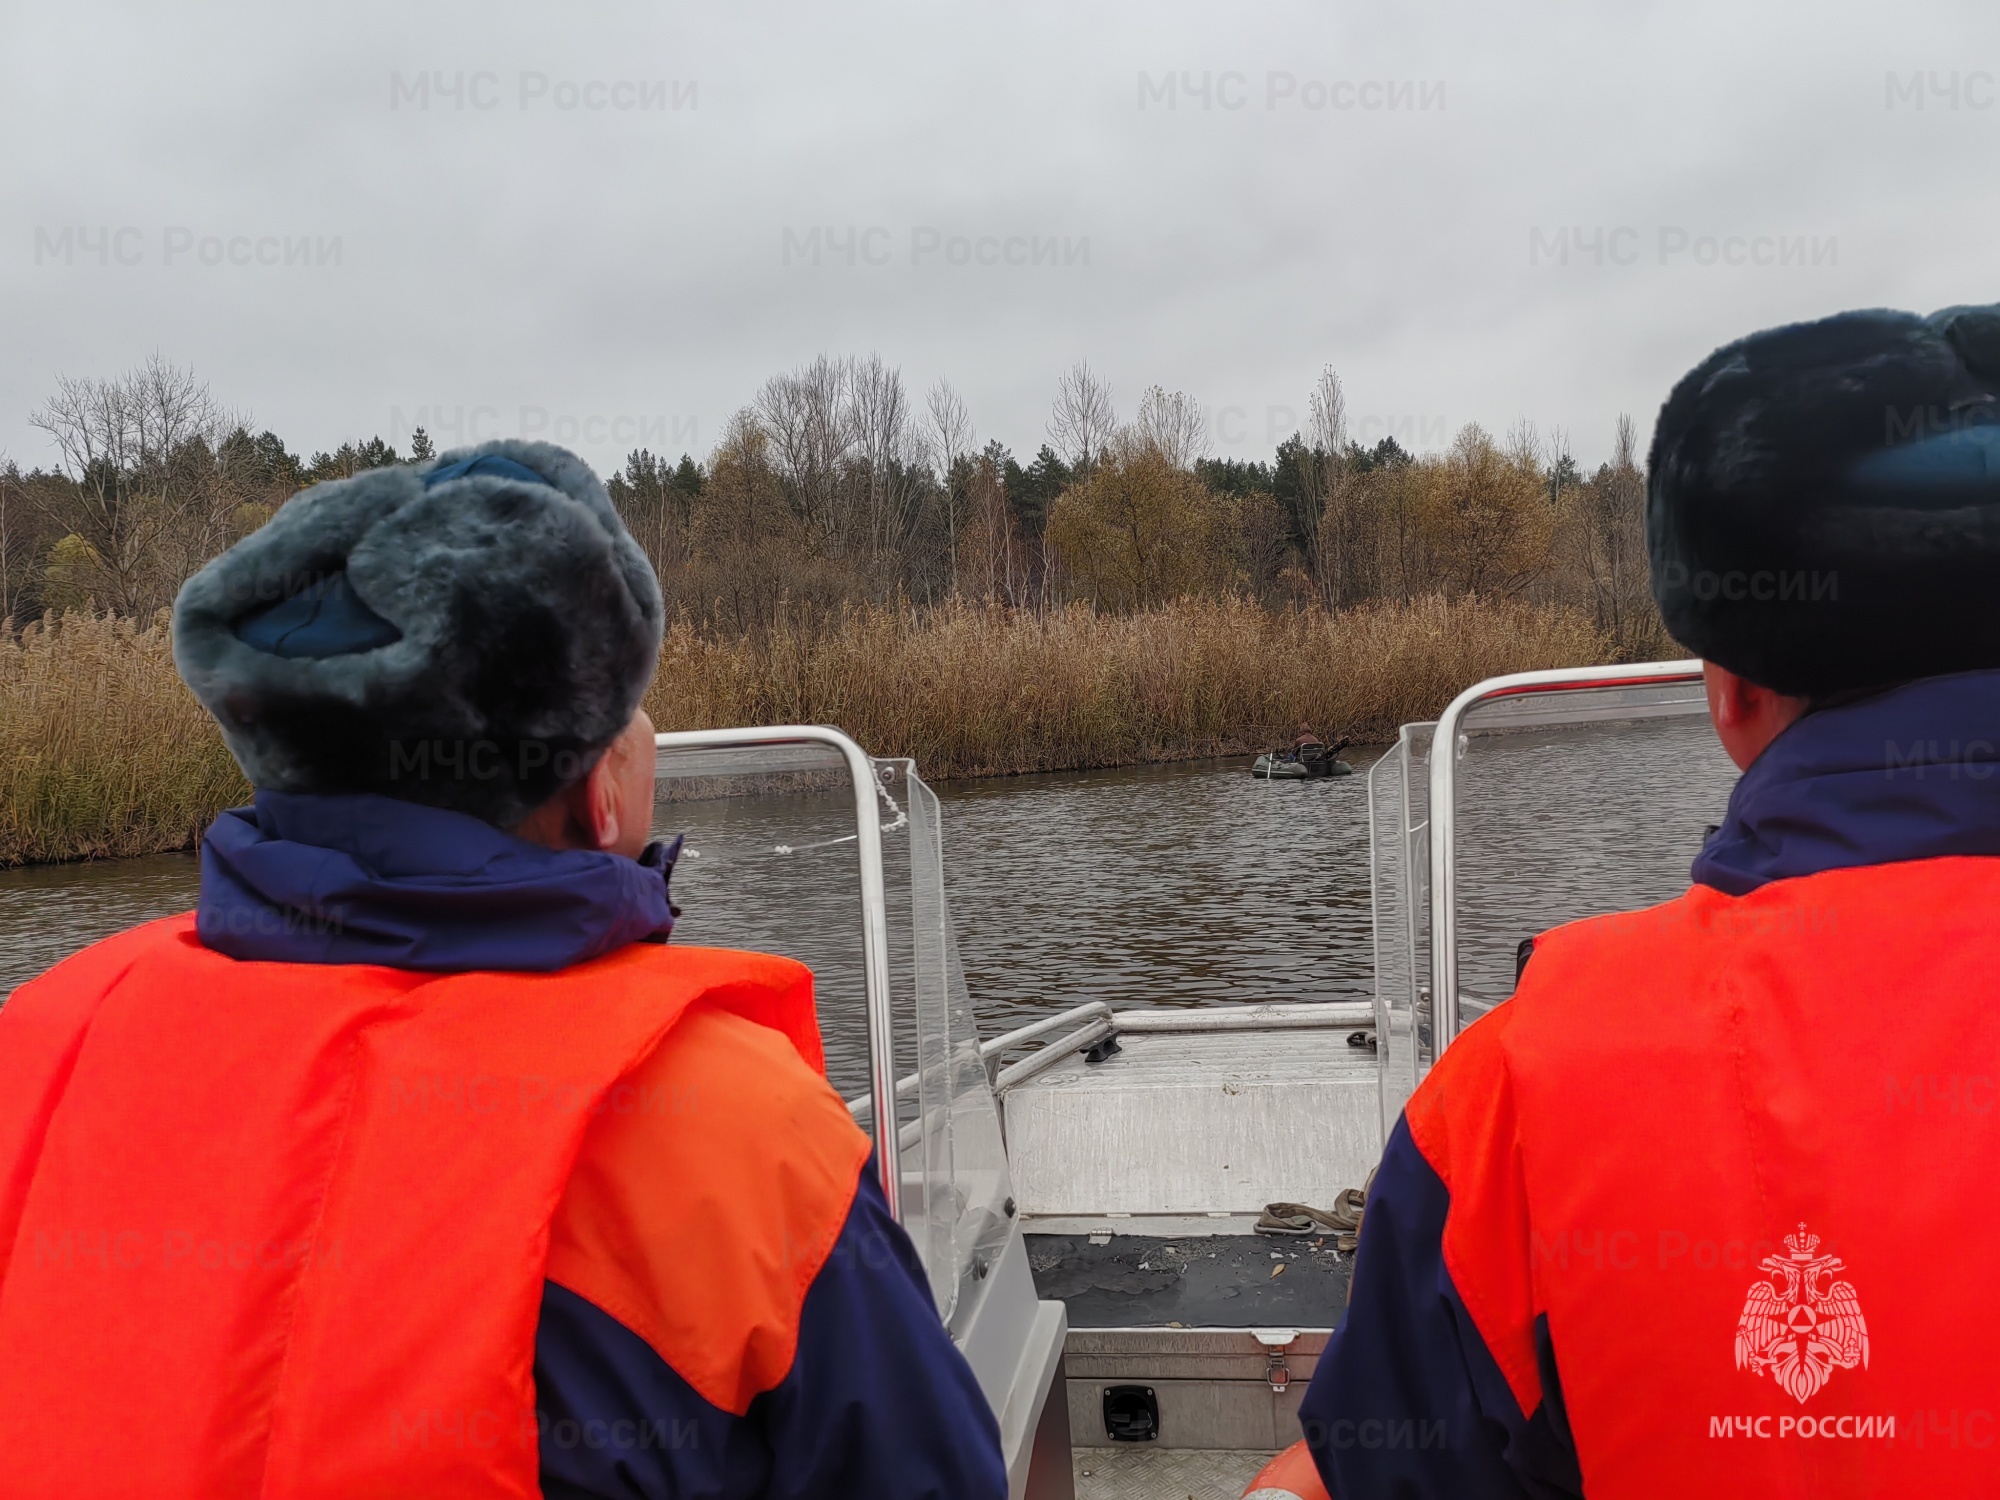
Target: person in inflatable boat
{"x": 415, "y": 1161}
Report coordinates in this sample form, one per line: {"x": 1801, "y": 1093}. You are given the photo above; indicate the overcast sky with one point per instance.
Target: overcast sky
{"x": 352, "y": 218}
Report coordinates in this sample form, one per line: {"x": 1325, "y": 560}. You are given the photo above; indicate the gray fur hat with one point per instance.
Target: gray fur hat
{"x": 469, "y": 633}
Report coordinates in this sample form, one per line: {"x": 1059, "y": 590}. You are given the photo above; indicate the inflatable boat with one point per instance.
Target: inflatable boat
{"x": 1305, "y": 764}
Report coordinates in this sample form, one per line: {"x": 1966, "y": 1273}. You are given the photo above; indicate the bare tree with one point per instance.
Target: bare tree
{"x": 144, "y": 505}
{"x": 1524, "y": 444}
{"x": 805, "y": 416}
{"x": 1334, "y": 545}
{"x": 1562, "y": 463}
{"x": 847, "y": 449}
{"x": 990, "y": 541}
{"x": 889, "y": 449}
{"x": 1172, "y": 426}
{"x": 1625, "y": 445}
{"x": 953, "y": 442}
{"x": 951, "y": 431}
{"x": 1611, "y": 544}
{"x": 1327, "y": 413}
{"x": 1082, "y": 420}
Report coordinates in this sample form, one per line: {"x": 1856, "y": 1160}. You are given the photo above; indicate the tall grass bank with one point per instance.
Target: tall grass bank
{"x": 104, "y": 753}
{"x": 983, "y": 692}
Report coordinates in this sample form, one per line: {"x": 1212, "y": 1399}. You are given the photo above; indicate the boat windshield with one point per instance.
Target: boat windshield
{"x": 774, "y": 861}
{"x": 1568, "y": 798}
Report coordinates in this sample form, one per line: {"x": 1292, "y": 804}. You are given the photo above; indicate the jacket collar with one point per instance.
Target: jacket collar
{"x": 1911, "y": 773}
{"x": 364, "y": 879}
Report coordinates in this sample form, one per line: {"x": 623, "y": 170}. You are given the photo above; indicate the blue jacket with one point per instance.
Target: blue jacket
{"x": 876, "y": 1400}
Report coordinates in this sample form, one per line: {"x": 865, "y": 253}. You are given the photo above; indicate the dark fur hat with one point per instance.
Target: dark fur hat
{"x": 1823, "y": 505}
{"x": 468, "y": 633}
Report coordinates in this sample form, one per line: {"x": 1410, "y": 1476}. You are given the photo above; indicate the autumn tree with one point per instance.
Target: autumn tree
{"x": 1486, "y": 522}
{"x": 1137, "y": 531}
{"x": 751, "y": 552}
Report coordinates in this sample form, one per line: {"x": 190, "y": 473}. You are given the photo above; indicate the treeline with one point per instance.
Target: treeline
{"x": 835, "y": 487}
{"x": 154, "y": 477}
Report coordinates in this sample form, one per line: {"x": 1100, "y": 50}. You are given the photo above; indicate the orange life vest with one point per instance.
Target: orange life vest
{"x": 1289, "y": 1476}
{"x": 1741, "y": 1153}
{"x": 281, "y": 1230}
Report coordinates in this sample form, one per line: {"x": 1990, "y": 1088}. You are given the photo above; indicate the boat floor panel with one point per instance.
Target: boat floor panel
{"x": 1209, "y": 1281}
{"x": 1139, "y": 1472}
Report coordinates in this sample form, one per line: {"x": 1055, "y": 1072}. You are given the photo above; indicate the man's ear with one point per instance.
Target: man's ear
{"x": 609, "y": 808}
{"x": 1728, "y": 697}
{"x": 1747, "y": 716}
{"x": 599, "y": 808}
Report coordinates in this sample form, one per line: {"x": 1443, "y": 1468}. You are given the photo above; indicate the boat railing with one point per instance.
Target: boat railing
{"x": 1448, "y": 744}
{"x": 874, "y": 910}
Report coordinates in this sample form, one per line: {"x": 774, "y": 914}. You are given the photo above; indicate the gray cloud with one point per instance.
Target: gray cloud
{"x": 1475, "y": 213}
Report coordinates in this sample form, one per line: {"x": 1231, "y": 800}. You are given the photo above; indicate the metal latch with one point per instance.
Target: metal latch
{"x": 1276, "y": 1341}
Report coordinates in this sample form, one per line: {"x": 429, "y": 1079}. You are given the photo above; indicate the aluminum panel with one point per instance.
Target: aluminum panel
{"x": 1196, "y": 1124}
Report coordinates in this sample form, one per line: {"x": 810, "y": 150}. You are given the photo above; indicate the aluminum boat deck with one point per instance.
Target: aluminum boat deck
{"x": 1143, "y": 1146}
{"x": 1163, "y": 1473}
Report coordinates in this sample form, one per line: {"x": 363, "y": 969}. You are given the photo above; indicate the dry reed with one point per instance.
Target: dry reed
{"x": 979, "y": 692}
{"x": 103, "y": 752}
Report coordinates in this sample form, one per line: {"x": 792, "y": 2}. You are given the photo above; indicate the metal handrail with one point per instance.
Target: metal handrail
{"x": 1094, "y": 1021}
{"x": 1081, "y": 1040}
{"x": 1443, "y": 810}
{"x": 1280, "y": 1015}
{"x": 1034, "y": 1030}
{"x": 1090, "y": 1010}
{"x": 874, "y": 917}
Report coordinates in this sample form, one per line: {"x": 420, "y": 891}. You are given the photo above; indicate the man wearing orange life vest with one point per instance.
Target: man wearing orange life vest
{"x": 414, "y": 1162}
{"x": 1707, "y": 1208}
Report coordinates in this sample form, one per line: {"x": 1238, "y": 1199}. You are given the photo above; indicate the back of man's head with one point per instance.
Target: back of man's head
{"x": 1823, "y": 506}
{"x": 470, "y": 633}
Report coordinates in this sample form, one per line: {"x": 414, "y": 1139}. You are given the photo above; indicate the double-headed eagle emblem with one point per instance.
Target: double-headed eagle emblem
{"x": 1799, "y": 1325}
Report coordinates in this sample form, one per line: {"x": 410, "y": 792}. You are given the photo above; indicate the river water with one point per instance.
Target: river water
{"x": 1186, "y": 884}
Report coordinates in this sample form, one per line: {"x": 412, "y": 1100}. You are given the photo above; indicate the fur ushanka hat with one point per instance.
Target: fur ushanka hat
{"x": 468, "y": 633}
{"x": 1823, "y": 506}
